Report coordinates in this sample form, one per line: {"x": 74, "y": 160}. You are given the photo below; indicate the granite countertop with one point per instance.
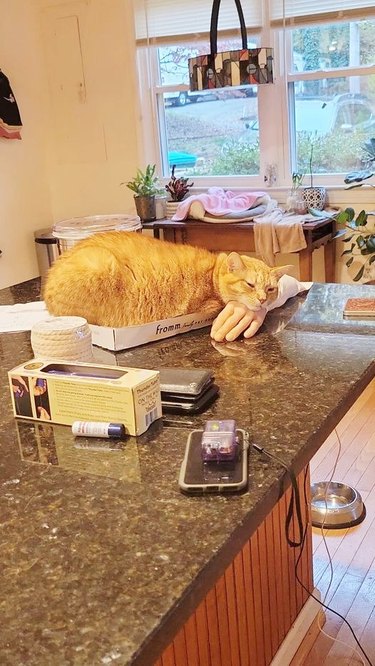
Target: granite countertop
{"x": 103, "y": 557}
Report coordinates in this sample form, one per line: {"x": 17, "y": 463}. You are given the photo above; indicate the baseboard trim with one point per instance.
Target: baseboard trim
{"x": 298, "y": 631}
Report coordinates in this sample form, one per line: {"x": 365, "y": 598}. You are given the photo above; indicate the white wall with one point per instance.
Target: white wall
{"x": 24, "y": 192}
{"x": 72, "y": 69}
{"x": 93, "y": 147}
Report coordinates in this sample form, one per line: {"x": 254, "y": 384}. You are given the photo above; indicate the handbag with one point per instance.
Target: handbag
{"x": 230, "y": 68}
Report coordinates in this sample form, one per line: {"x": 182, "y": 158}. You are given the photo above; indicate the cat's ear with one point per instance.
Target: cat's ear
{"x": 282, "y": 270}
{"x": 235, "y": 262}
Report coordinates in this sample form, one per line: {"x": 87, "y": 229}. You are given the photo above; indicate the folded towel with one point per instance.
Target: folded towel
{"x": 275, "y": 232}
{"x": 219, "y": 202}
{"x": 197, "y": 212}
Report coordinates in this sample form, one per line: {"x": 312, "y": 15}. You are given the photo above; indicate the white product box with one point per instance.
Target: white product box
{"x": 116, "y": 339}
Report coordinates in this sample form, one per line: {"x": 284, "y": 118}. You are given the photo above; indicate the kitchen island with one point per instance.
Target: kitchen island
{"x": 105, "y": 561}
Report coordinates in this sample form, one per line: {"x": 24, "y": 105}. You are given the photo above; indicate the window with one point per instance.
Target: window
{"x": 209, "y": 133}
{"x": 324, "y": 103}
{"x": 331, "y": 94}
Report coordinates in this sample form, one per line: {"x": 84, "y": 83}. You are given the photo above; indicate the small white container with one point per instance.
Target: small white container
{"x": 69, "y": 232}
{"x": 67, "y": 338}
{"x": 171, "y": 208}
{"x": 161, "y": 206}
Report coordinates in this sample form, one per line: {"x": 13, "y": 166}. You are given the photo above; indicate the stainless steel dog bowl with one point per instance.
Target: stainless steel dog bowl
{"x": 336, "y": 505}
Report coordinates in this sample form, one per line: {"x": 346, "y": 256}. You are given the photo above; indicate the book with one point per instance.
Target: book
{"x": 360, "y": 307}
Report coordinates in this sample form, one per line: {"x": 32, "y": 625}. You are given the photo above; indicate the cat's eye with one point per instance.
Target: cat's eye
{"x": 271, "y": 290}
{"x": 250, "y": 284}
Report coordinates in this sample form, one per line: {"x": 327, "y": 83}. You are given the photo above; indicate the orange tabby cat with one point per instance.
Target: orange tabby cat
{"x": 122, "y": 279}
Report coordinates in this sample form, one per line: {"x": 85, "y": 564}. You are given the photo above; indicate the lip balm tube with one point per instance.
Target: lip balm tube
{"x": 98, "y": 429}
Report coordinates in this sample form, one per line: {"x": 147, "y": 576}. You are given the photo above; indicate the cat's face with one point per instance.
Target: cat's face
{"x": 250, "y": 281}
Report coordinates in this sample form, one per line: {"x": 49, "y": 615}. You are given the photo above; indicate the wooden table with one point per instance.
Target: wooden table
{"x": 239, "y": 237}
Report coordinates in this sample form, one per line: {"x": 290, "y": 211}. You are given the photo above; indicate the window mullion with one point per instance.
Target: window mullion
{"x": 273, "y": 114}
{"x": 332, "y": 73}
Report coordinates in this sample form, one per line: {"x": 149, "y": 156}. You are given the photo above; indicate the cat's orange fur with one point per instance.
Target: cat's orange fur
{"x": 122, "y": 279}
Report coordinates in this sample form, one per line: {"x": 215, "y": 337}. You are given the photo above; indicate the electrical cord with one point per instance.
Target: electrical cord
{"x": 295, "y": 501}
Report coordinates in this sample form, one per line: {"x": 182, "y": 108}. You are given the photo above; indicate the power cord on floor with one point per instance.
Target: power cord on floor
{"x": 331, "y": 573}
{"x": 295, "y": 501}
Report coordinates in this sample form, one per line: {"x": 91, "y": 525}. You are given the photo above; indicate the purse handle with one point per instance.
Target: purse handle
{"x": 214, "y": 22}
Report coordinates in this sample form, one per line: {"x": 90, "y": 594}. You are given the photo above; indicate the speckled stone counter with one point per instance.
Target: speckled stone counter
{"x": 102, "y": 557}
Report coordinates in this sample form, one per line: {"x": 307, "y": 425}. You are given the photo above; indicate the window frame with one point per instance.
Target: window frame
{"x": 275, "y": 138}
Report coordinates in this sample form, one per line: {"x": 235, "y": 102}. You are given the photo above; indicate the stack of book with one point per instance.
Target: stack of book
{"x": 360, "y": 308}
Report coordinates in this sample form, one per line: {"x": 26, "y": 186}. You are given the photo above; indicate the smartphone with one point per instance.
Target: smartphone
{"x": 198, "y": 476}
{"x": 184, "y": 381}
{"x": 191, "y": 404}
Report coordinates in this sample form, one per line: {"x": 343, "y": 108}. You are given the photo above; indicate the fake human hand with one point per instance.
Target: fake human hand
{"x": 235, "y": 319}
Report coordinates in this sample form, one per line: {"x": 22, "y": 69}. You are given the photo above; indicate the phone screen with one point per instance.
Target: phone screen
{"x": 199, "y": 476}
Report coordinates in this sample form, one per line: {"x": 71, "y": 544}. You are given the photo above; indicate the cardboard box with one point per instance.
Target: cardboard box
{"x": 116, "y": 339}
{"x": 66, "y": 392}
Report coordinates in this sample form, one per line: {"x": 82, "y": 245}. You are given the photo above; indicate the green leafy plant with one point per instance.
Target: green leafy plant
{"x": 297, "y": 179}
{"x": 236, "y": 158}
{"x": 362, "y": 242}
{"x": 177, "y": 188}
{"x": 145, "y": 183}
{"x": 359, "y": 178}
{"x": 361, "y": 238}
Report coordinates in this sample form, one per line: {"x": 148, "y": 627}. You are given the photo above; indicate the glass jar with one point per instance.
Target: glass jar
{"x": 295, "y": 202}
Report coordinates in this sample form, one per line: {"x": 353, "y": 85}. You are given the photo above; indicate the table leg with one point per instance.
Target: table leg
{"x": 330, "y": 261}
{"x": 174, "y": 235}
{"x": 305, "y": 265}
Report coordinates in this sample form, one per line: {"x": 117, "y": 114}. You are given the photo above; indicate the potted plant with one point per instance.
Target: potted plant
{"x": 177, "y": 189}
{"x": 361, "y": 236}
{"x": 314, "y": 197}
{"x": 145, "y": 186}
{"x": 359, "y": 231}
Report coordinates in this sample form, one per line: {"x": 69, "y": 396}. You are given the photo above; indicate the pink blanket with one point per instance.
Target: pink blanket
{"x": 217, "y": 201}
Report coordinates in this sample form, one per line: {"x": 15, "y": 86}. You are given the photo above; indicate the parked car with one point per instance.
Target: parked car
{"x": 182, "y": 97}
{"x": 348, "y": 112}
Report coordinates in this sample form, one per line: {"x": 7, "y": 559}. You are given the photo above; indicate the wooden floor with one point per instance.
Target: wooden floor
{"x": 352, "y": 592}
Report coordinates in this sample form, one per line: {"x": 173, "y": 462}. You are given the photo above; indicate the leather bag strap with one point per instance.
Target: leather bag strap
{"x": 214, "y": 24}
